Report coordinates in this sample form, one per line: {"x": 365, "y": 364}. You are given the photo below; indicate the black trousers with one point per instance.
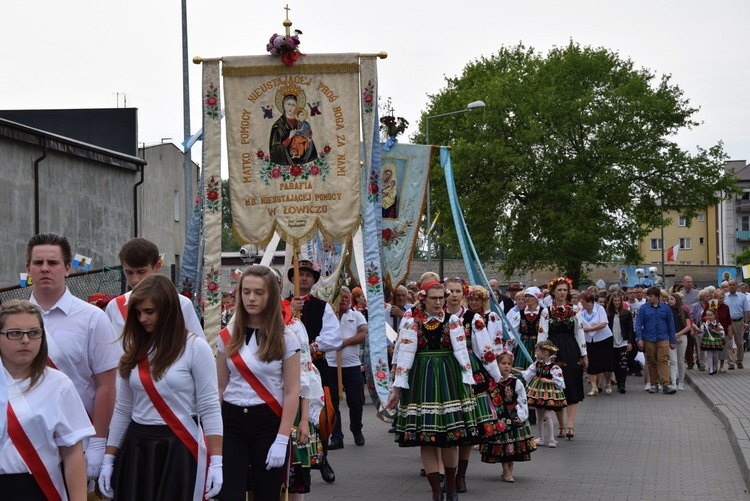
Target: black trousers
{"x": 354, "y": 387}
{"x": 249, "y": 433}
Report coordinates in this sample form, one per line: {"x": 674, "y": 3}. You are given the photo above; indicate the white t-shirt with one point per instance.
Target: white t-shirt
{"x": 192, "y": 324}
{"x": 351, "y": 321}
{"x": 59, "y": 412}
{"x": 85, "y": 338}
{"x": 192, "y": 381}
{"x": 238, "y": 391}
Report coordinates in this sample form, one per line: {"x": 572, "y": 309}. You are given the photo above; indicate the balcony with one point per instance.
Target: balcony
{"x": 743, "y": 235}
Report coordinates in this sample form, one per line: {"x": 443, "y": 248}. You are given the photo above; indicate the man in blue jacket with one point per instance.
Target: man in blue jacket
{"x": 654, "y": 330}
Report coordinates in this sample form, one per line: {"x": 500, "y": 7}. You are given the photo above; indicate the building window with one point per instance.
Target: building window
{"x": 685, "y": 262}
{"x": 177, "y": 206}
{"x": 701, "y": 217}
{"x": 701, "y": 241}
{"x": 682, "y": 221}
{"x": 745, "y": 223}
{"x": 746, "y": 195}
{"x": 655, "y": 244}
{"x": 702, "y": 263}
{"x": 685, "y": 243}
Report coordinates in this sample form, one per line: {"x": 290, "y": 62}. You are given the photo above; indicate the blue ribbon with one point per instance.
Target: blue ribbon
{"x": 389, "y": 143}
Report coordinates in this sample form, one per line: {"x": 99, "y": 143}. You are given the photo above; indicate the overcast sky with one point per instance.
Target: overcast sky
{"x": 81, "y": 53}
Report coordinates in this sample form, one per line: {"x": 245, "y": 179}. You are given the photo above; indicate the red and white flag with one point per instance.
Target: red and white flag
{"x": 672, "y": 253}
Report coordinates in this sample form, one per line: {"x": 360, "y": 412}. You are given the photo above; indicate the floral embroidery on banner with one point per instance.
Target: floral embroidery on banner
{"x": 373, "y": 190}
{"x": 373, "y": 278}
{"x": 213, "y": 292}
{"x": 381, "y": 374}
{"x": 211, "y": 101}
{"x": 393, "y": 236}
{"x": 213, "y": 195}
{"x": 368, "y": 97}
{"x": 270, "y": 171}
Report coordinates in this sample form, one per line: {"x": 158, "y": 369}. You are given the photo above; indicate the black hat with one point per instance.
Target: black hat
{"x": 314, "y": 268}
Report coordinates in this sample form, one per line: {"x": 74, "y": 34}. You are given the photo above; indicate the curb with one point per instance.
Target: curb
{"x": 740, "y": 447}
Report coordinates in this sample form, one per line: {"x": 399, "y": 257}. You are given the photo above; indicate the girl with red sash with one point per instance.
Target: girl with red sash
{"x": 46, "y": 421}
{"x": 156, "y": 449}
{"x": 258, "y": 363}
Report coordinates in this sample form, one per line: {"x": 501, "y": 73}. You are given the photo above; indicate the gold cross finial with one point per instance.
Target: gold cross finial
{"x": 287, "y": 23}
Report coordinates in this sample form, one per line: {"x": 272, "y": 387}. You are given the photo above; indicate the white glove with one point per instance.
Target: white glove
{"x": 277, "y": 452}
{"x": 215, "y": 478}
{"x": 94, "y": 457}
{"x": 105, "y": 476}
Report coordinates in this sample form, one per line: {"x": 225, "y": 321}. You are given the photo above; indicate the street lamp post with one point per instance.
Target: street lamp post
{"x": 474, "y": 105}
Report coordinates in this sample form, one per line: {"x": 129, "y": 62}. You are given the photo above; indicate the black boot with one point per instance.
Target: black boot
{"x": 434, "y": 480}
{"x": 327, "y": 472}
{"x": 461, "y": 475}
{"x": 450, "y": 484}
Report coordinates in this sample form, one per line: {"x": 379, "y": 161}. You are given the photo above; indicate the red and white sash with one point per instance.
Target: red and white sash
{"x": 180, "y": 420}
{"x": 30, "y": 440}
{"x": 57, "y": 360}
{"x": 251, "y": 378}
{"x": 122, "y": 305}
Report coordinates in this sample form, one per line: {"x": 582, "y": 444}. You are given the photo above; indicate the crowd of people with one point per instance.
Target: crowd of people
{"x": 135, "y": 405}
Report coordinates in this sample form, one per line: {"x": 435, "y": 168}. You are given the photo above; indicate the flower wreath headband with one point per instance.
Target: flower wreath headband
{"x": 464, "y": 284}
{"x": 557, "y": 281}
{"x": 505, "y": 351}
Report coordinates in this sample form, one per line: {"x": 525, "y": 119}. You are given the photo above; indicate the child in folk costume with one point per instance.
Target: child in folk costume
{"x": 545, "y": 390}
{"x": 516, "y": 443}
{"x": 45, "y": 422}
{"x": 167, "y": 397}
{"x": 259, "y": 382}
{"x": 714, "y": 338}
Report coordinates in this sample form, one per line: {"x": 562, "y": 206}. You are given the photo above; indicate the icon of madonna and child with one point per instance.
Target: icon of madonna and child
{"x": 291, "y": 139}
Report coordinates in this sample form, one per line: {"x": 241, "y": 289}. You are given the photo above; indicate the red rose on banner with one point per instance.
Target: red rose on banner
{"x": 212, "y": 195}
{"x": 387, "y": 234}
{"x": 295, "y": 170}
{"x": 212, "y": 286}
{"x": 373, "y": 280}
{"x": 275, "y": 173}
{"x": 373, "y": 189}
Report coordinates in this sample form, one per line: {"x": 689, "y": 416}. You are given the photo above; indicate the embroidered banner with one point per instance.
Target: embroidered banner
{"x": 404, "y": 171}
{"x": 211, "y": 197}
{"x": 377, "y": 372}
{"x": 293, "y": 146}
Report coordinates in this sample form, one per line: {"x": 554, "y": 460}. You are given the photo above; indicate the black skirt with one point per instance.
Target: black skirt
{"x": 601, "y": 356}
{"x": 20, "y": 486}
{"x": 153, "y": 465}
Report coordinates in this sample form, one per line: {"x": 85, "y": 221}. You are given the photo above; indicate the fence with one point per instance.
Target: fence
{"x": 110, "y": 281}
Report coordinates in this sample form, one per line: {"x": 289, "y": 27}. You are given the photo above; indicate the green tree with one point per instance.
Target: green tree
{"x": 570, "y": 160}
{"x": 228, "y": 242}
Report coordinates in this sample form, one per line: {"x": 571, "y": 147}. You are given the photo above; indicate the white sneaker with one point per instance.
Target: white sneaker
{"x": 681, "y": 386}
{"x": 648, "y": 387}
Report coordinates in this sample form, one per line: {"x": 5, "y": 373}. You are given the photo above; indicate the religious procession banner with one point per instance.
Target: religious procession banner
{"x": 293, "y": 146}
{"x": 404, "y": 171}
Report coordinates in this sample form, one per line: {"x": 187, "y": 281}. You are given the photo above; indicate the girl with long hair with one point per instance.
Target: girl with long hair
{"x": 258, "y": 365}
{"x": 167, "y": 398}
{"x": 682, "y": 327}
{"x": 46, "y": 420}
{"x": 621, "y": 324}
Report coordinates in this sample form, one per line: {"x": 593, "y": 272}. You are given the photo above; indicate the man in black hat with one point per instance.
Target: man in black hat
{"x": 323, "y": 331}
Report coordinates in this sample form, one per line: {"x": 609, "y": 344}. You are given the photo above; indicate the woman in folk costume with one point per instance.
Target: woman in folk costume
{"x": 564, "y": 330}
{"x": 167, "y": 398}
{"x": 45, "y": 422}
{"x": 482, "y": 347}
{"x": 436, "y": 408}
{"x": 259, "y": 383}
{"x": 533, "y": 320}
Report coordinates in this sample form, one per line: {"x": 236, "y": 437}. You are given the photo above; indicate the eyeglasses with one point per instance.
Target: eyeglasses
{"x": 17, "y": 335}
{"x": 436, "y": 298}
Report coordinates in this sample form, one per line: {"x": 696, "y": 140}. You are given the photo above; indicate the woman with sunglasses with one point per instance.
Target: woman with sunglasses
{"x": 46, "y": 423}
